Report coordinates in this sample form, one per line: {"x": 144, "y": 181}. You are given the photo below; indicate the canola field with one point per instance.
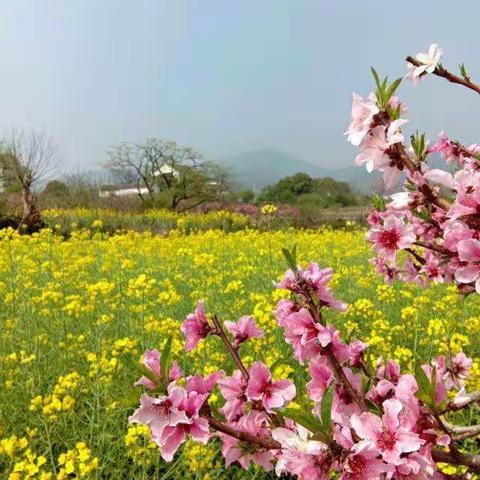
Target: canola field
{"x": 73, "y": 310}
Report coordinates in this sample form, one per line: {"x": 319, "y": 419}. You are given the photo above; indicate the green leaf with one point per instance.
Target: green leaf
{"x": 463, "y": 72}
{"x": 132, "y": 362}
{"x": 426, "y": 388}
{"x": 433, "y": 383}
{"x": 394, "y": 112}
{"x": 378, "y": 202}
{"x": 422, "y": 379}
{"x": 291, "y": 257}
{"x": 303, "y": 418}
{"x": 384, "y": 85}
{"x": 418, "y": 144}
{"x": 165, "y": 357}
{"x": 326, "y": 409}
{"x": 375, "y": 77}
{"x": 294, "y": 254}
{"x": 392, "y": 89}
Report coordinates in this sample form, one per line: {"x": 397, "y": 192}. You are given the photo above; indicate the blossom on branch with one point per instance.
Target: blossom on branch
{"x": 272, "y": 394}
{"x": 429, "y": 63}
{"x": 196, "y": 327}
{"x": 351, "y": 420}
{"x": 244, "y": 329}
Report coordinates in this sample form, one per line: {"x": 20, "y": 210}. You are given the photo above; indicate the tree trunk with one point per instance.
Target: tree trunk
{"x": 32, "y": 219}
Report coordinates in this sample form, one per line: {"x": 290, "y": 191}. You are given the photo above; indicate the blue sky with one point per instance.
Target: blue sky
{"x": 224, "y": 76}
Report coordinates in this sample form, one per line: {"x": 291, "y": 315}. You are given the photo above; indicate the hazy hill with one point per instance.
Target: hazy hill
{"x": 255, "y": 169}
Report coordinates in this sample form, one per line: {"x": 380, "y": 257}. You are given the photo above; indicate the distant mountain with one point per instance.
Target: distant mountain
{"x": 255, "y": 169}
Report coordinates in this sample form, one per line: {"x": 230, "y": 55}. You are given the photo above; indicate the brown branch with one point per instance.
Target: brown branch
{"x": 430, "y": 247}
{"x": 407, "y": 161}
{"x": 474, "y": 432}
{"x": 464, "y": 150}
{"x": 417, "y": 257}
{"x": 464, "y": 428}
{"x": 404, "y": 159}
{"x": 442, "y": 72}
{"x": 231, "y": 350}
{"x": 459, "y": 458}
{"x": 425, "y": 189}
{"x": 337, "y": 368}
{"x": 267, "y": 443}
{"x": 452, "y": 447}
{"x": 462, "y": 432}
{"x": 342, "y": 378}
{"x": 472, "y": 398}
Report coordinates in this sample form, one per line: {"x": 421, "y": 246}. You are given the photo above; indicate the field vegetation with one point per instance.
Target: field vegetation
{"x": 78, "y": 312}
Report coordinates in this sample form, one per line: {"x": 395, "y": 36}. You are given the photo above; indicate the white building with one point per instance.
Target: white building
{"x": 165, "y": 170}
{"x": 123, "y": 192}
{"x": 128, "y": 190}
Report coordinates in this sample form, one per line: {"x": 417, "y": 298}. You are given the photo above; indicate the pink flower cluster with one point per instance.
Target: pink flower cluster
{"x": 436, "y": 218}
{"x": 357, "y": 420}
{"x": 363, "y": 425}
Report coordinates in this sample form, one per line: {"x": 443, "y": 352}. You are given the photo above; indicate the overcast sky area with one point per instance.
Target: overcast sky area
{"x": 225, "y": 77}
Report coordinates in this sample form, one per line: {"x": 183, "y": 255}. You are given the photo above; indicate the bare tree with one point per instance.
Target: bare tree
{"x": 163, "y": 166}
{"x": 31, "y": 157}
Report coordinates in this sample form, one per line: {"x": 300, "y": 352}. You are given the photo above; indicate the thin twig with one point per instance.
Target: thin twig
{"x": 231, "y": 350}
{"x": 403, "y": 157}
{"x": 267, "y": 443}
{"x": 434, "y": 248}
{"x": 462, "y": 432}
{"x": 337, "y": 368}
{"x": 417, "y": 257}
{"x": 461, "y": 458}
{"x": 470, "y": 398}
{"x": 470, "y": 434}
{"x": 444, "y": 73}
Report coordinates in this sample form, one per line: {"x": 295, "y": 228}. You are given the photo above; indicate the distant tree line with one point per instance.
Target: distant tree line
{"x": 302, "y": 190}
{"x": 156, "y": 173}
{"x": 161, "y": 174}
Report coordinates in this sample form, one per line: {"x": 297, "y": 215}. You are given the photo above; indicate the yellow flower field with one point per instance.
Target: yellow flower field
{"x": 72, "y": 310}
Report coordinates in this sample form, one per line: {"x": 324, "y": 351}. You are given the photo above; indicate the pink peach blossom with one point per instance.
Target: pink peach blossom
{"x": 203, "y": 385}
{"x": 429, "y": 62}
{"x": 301, "y": 331}
{"x": 321, "y": 377}
{"x": 261, "y": 387}
{"x": 283, "y": 311}
{"x": 362, "y": 116}
{"x": 254, "y": 423}
{"x": 233, "y": 391}
{"x": 244, "y": 329}
{"x": 151, "y": 361}
{"x": 392, "y": 236}
{"x": 469, "y": 252}
{"x": 356, "y": 350}
{"x": 172, "y": 436}
{"x": 300, "y": 455}
{"x": 159, "y": 412}
{"x": 362, "y": 463}
{"x": 315, "y": 279}
{"x": 387, "y": 435}
{"x": 378, "y": 152}
{"x": 195, "y": 327}
{"x": 172, "y": 417}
